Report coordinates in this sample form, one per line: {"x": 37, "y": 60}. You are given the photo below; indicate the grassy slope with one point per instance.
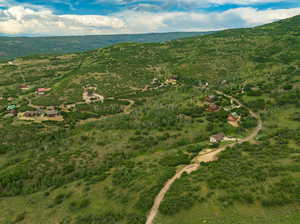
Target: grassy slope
{"x": 111, "y": 169}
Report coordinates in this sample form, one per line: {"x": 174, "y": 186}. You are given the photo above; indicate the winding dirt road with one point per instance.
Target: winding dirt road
{"x": 208, "y": 155}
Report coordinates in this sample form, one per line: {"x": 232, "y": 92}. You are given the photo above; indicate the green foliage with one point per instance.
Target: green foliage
{"x": 180, "y": 197}
{"x": 59, "y": 45}
{"x": 174, "y": 160}
{"x": 78, "y": 205}
{"x": 107, "y": 218}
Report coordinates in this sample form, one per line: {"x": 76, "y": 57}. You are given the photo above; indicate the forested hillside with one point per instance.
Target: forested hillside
{"x": 11, "y": 47}
{"x": 93, "y": 137}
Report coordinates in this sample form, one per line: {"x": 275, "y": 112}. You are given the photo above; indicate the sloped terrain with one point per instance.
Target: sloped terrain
{"x": 134, "y": 114}
{"x": 11, "y": 47}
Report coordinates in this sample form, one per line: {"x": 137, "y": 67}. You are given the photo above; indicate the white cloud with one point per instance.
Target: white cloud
{"x": 21, "y": 20}
{"x": 202, "y": 3}
{"x": 137, "y": 22}
{"x": 43, "y": 21}
{"x": 253, "y": 17}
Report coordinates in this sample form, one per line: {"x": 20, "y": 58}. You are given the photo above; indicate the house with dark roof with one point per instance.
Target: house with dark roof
{"x": 213, "y": 108}
{"x": 217, "y": 138}
{"x": 52, "y": 113}
{"x": 33, "y": 113}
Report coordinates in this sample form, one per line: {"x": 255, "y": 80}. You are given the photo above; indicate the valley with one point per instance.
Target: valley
{"x": 196, "y": 130}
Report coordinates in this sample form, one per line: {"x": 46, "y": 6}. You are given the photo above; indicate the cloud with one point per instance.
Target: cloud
{"x": 198, "y": 3}
{"x": 138, "y": 22}
{"x": 17, "y": 20}
{"x": 22, "y": 20}
{"x": 6, "y": 3}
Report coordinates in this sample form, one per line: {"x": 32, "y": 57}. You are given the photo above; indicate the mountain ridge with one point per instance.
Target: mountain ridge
{"x": 11, "y": 47}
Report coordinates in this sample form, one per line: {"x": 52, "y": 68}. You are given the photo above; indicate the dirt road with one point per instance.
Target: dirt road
{"x": 208, "y": 155}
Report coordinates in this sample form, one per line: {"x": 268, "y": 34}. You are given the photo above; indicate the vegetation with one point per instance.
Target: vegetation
{"x": 105, "y": 162}
{"x": 11, "y": 47}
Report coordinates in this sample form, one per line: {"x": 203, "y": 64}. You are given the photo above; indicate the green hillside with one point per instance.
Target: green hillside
{"x": 111, "y": 126}
{"x": 11, "y": 47}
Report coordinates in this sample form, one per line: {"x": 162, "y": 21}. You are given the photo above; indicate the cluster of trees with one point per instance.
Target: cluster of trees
{"x": 284, "y": 192}
{"x": 173, "y": 160}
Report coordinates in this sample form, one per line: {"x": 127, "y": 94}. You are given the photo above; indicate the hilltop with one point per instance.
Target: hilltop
{"x": 92, "y": 137}
{"x": 12, "y": 47}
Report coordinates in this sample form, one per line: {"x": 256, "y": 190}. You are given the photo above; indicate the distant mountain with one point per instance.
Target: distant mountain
{"x": 11, "y": 47}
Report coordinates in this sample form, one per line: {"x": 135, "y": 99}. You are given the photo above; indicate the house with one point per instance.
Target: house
{"x": 217, "y": 138}
{"x": 24, "y": 87}
{"x": 233, "y": 117}
{"x": 154, "y": 81}
{"x": 171, "y": 81}
{"x": 10, "y": 99}
{"x": 11, "y": 107}
{"x": 42, "y": 91}
{"x": 13, "y": 113}
{"x": 90, "y": 92}
{"x": 210, "y": 98}
{"x": 52, "y": 113}
{"x": 213, "y": 108}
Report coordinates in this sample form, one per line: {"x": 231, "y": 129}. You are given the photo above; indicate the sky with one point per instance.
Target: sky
{"x": 91, "y": 17}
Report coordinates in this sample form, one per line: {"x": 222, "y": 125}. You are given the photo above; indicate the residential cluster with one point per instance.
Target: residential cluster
{"x": 233, "y": 118}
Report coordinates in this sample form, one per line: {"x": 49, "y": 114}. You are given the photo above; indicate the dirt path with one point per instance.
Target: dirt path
{"x": 208, "y": 155}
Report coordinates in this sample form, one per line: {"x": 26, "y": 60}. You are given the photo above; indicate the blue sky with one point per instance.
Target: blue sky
{"x": 85, "y": 17}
